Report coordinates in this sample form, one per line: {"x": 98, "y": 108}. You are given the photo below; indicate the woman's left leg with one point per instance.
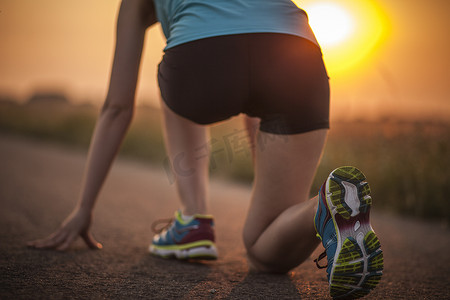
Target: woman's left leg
{"x": 279, "y": 232}
{"x": 252, "y": 126}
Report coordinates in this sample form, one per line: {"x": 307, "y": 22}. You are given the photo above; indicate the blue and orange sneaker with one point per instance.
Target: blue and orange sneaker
{"x": 186, "y": 240}
{"x": 355, "y": 259}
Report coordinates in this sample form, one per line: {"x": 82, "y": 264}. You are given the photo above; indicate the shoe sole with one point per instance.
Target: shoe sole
{"x": 200, "y": 250}
{"x": 358, "y": 261}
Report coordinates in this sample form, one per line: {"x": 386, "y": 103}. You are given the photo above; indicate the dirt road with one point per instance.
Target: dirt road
{"x": 39, "y": 184}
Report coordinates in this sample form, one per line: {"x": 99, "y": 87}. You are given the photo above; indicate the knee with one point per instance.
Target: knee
{"x": 257, "y": 261}
{"x": 258, "y": 265}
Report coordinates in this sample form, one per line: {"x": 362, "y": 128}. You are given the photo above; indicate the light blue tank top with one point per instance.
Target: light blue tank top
{"x": 183, "y": 21}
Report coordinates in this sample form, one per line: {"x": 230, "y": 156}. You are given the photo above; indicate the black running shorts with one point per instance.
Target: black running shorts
{"x": 279, "y": 78}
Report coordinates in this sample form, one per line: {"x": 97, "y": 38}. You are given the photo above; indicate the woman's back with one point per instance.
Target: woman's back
{"x": 188, "y": 20}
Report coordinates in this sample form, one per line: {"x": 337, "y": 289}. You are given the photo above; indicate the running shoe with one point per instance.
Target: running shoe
{"x": 185, "y": 240}
{"x": 353, "y": 251}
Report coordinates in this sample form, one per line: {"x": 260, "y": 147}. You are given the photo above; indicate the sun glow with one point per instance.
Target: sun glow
{"x": 331, "y": 23}
{"x": 348, "y": 31}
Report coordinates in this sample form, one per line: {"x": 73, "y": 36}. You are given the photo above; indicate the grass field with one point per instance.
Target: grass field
{"x": 406, "y": 163}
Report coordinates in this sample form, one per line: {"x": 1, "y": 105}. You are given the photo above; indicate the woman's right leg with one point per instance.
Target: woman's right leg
{"x": 188, "y": 149}
{"x": 279, "y": 233}
{"x": 191, "y": 232}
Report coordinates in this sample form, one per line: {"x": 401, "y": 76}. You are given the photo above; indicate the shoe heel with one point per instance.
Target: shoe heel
{"x": 200, "y": 253}
{"x": 349, "y": 192}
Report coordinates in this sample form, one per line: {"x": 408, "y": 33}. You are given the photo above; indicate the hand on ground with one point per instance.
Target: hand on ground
{"x": 76, "y": 224}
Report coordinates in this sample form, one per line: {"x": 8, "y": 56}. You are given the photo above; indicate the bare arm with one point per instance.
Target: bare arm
{"x": 135, "y": 16}
{"x": 118, "y": 108}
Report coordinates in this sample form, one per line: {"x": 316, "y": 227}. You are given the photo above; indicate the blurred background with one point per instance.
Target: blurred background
{"x": 389, "y": 74}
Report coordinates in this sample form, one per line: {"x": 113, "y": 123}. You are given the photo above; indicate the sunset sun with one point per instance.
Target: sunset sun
{"x": 332, "y": 24}
{"x": 348, "y": 31}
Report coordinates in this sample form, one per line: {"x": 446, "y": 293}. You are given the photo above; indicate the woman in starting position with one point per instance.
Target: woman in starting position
{"x": 223, "y": 58}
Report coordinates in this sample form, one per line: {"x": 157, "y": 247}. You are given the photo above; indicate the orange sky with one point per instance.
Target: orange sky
{"x": 68, "y": 45}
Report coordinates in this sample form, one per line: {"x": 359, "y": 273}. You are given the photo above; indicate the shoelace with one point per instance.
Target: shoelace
{"x": 166, "y": 224}
{"x": 321, "y": 256}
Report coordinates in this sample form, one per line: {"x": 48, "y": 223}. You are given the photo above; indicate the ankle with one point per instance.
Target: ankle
{"x": 186, "y": 218}
{"x": 193, "y": 210}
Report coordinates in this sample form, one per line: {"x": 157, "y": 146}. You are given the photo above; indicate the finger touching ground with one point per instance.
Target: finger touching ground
{"x": 34, "y": 243}
{"x": 50, "y": 242}
{"x": 90, "y": 241}
{"x": 65, "y": 244}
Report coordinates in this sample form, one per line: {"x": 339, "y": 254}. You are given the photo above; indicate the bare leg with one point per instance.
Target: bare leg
{"x": 251, "y": 125}
{"x": 279, "y": 233}
{"x": 188, "y": 149}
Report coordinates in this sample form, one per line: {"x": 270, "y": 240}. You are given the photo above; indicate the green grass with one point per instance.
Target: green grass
{"x": 406, "y": 163}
